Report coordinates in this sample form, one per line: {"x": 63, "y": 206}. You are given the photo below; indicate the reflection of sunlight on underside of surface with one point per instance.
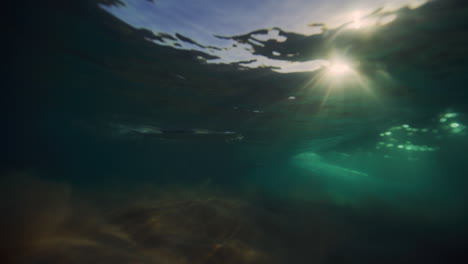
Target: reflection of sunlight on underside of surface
{"x": 359, "y": 15}
{"x": 358, "y": 20}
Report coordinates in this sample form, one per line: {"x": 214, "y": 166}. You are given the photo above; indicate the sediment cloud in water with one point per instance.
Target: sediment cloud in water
{"x": 46, "y": 222}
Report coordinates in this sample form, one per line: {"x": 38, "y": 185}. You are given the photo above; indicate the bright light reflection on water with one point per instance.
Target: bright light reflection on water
{"x": 207, "y": 20}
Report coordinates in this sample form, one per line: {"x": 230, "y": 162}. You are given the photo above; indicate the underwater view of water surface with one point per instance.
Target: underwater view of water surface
{"x": 184, "y": 131}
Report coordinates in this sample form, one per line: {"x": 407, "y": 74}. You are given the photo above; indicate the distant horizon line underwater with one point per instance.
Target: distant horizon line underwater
{"x": 177, "y": 132}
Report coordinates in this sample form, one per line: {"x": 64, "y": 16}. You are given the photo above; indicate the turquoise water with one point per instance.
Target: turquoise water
{"x": 234, "y": 132}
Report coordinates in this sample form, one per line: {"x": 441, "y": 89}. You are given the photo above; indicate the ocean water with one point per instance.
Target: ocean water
{"x": 296, "y": 131}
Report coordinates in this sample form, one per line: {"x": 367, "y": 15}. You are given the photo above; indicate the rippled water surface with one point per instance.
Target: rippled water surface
{"x": 183, "y": 131}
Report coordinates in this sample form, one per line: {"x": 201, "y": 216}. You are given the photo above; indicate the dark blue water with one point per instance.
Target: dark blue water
{"x": 234, "y": 132}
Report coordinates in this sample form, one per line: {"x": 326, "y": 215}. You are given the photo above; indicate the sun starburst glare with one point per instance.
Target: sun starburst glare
{"x": 340, "y": 77}
{"x": 339, "y": 68}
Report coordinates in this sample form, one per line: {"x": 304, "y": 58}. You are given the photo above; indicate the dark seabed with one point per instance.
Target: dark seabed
{"x": 270, "y": 131}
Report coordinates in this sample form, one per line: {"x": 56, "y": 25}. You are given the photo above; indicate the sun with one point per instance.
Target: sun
{"x": 339, "y": 68}
{"x": 340, "y": 76}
